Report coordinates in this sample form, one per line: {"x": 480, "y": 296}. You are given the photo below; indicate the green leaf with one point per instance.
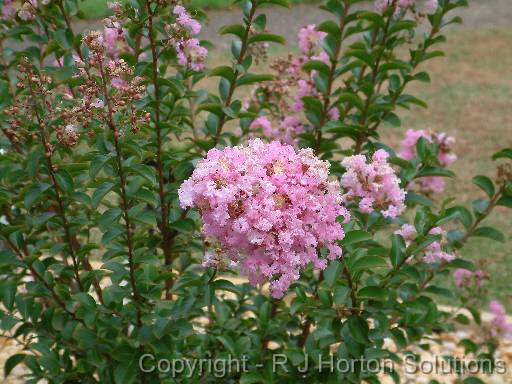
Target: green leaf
{"x": 423, "y": 148}
{"x": 33, "y": 194}
{"x": 439, "y": 291}
{"x": 8, "y": 293}
{"x": 368, "y": 263}
{"x": 64, "y": 37}
{"x": 359, "y": 329}
{"x": 447, "y": 217}
{"x": 316, "y": 65}
{"x": 395, "y": 65}
{"x": 183, "y": 225}
{"x": 330, "y": 27}
{"x": 464, "y": 215}
{"x": 356, "y": 236}
{"x": 505, "y": 201}
{"x": 113, "y": 294}
{"x": 461, "y": 263}
{"x": 397, "y": 254}
{"x": 146, "y": 217}
{"x": 401, "y": 25}
{"x": 228, "y": 343}
{"x": 126, "y": 372}
{"x": 480, "y": 206}
{"x": 85, "y": 300}
{"x": 434, "y": 171}
{"x": 252, "y": 377}
{"x": 100, "y": 192}
{"x": 422, "y": 76}
{"x": 486, "y": 184}
{"x": 341, "y": 294}
{"x": 267, "y": 37}
{"x": 223, "y": 71}
{"x": 108, "y": 217}
{"x": 12, "y": 362}
{"x": 251, "y": 78}
{"x": 332, "y": 272}
{"x": 97, "y": 164}
{"x": 490, "y": 233}
{"x": 372, "y": 292}
{"x": 352, "y": 99}
{"x": 473, "y": 380}
{"x": 504, "y": 153}
{"x": 65, "y": 181}
{"x": 233, "y": 29}
{"x": 225, "y": 285}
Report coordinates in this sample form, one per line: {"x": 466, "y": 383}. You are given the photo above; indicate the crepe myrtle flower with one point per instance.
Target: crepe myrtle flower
{"x": 373, "y": 185}
{"x": 270, "y": 207}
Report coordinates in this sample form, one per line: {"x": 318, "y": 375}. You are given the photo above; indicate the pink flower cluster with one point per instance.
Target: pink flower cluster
{"x": 115, "y": 42}
{"x": 429, "y": 6}
{"x": 8, "y": 10}
{"x": 270, "y": 207}
{"x": 500, "y": 325}
{"x": 189, "y": 51}
{"x": 434, "y": 252}
{"x": 286, "y": 132}
{"x": 445, "y": 156}
{"x": 373, "y": 185}
{"x": 309, "y": 39}
{"x": 309, "y": 44}
{"x": 465, "y": 278}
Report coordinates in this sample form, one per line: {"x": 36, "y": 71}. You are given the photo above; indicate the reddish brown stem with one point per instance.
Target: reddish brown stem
{"x": 164, "y": 209}
{"x": 124, "y": 197}
{"x": 330, "y": 80}
{"x": 240, "y": 59}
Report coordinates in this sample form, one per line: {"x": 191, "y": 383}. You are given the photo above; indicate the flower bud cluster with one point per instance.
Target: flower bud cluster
{"x": 283, "y": 96}
{"x": 181, "y": 34}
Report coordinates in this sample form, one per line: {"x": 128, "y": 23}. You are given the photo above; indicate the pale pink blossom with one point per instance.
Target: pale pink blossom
{"x": 185, "y": 20}
{"x": 431, "y": 6}
{"x": 373, "y": 185}
{"x": 310, "y": 38}
{"x": 434, "y": 252}
{"x": 191, "y": 54}
{"x": 334, "y": 114}
{"x": 8, "y": 10}
{"x": 264, "y": 124}
{"x": 465, "y": 278}
{"x": 304, "y": 88}
{"x": 115, "y": 42}
{"x": 270, "y": 207}
{"x": 445, "y": 156}
{"x": 286, "y": 132}
{"x": 500, "y": 325}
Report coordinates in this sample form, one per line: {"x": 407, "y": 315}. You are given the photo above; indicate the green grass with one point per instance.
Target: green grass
{"x": 469, "y": 97}
{"x": 95, "y": 9}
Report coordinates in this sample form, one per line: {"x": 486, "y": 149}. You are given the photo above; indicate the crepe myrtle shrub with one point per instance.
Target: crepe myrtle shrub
{"x": 136, "y": 199}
